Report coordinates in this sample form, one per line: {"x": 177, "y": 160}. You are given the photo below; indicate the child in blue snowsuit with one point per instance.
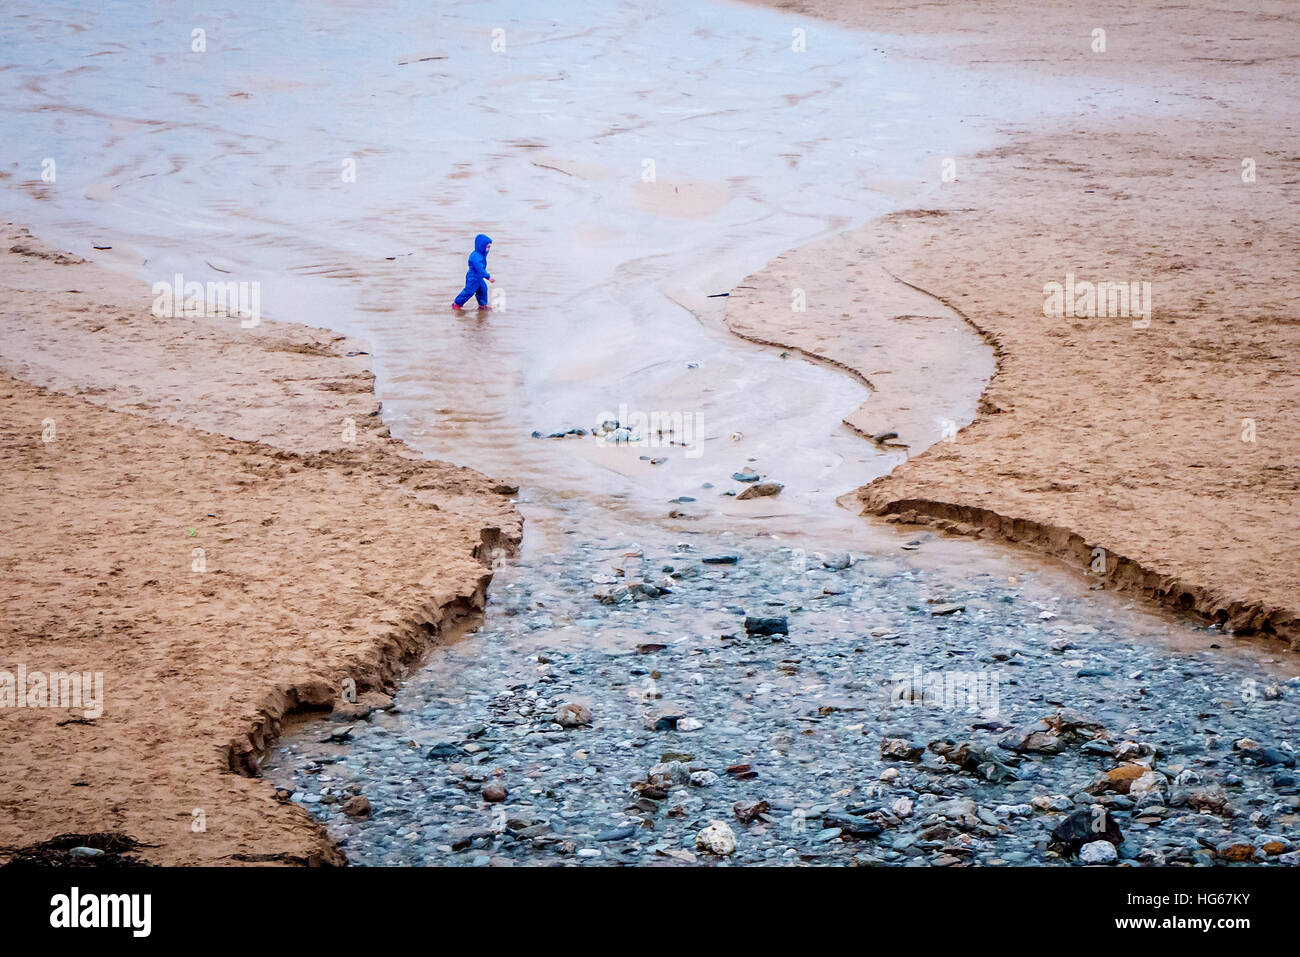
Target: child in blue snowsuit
{"x": 477, "y": 278}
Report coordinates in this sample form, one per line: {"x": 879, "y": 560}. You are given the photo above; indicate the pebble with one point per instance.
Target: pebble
{"x": 572, "y": 715}
{"x": 718, "y": 838}
{"x": 1098, "y": 852}
{"x": 692, "y": 725}
{"x": 760, "y": 490}
{"x": 357, "y": 806}
{"x": 617, "y": 833}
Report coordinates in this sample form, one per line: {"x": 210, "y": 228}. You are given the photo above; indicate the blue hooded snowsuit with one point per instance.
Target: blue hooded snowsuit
{"x": 477, "y": 276}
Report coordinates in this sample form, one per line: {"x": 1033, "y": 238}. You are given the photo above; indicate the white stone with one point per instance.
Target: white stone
{"x": 1098, "y": 852}
{"x": 717, "y": 838}
{"x": 703, "y": 779}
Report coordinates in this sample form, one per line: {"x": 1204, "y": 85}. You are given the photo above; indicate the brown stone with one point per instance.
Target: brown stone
{"x": 358, "y": 806}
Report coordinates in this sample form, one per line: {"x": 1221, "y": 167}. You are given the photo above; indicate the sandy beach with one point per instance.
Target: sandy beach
{"x": 1159, "y": 458}
{"x": 216, "y": 584}
{"x": 230, "y": 530}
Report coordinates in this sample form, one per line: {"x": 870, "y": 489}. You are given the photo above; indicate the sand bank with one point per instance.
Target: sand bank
{"x": 217, "y": 583}
{"x": 1158, "y": 457}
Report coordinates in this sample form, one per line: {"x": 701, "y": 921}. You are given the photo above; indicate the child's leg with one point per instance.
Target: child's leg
{"x": 481, "y": 294}
{"x": 463, "y": 296}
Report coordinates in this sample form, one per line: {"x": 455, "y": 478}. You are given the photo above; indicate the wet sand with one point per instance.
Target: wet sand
{"x": 218, "y": 584}
{"x": 604, "y": 267}
{"x": 1167, "y": 451}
